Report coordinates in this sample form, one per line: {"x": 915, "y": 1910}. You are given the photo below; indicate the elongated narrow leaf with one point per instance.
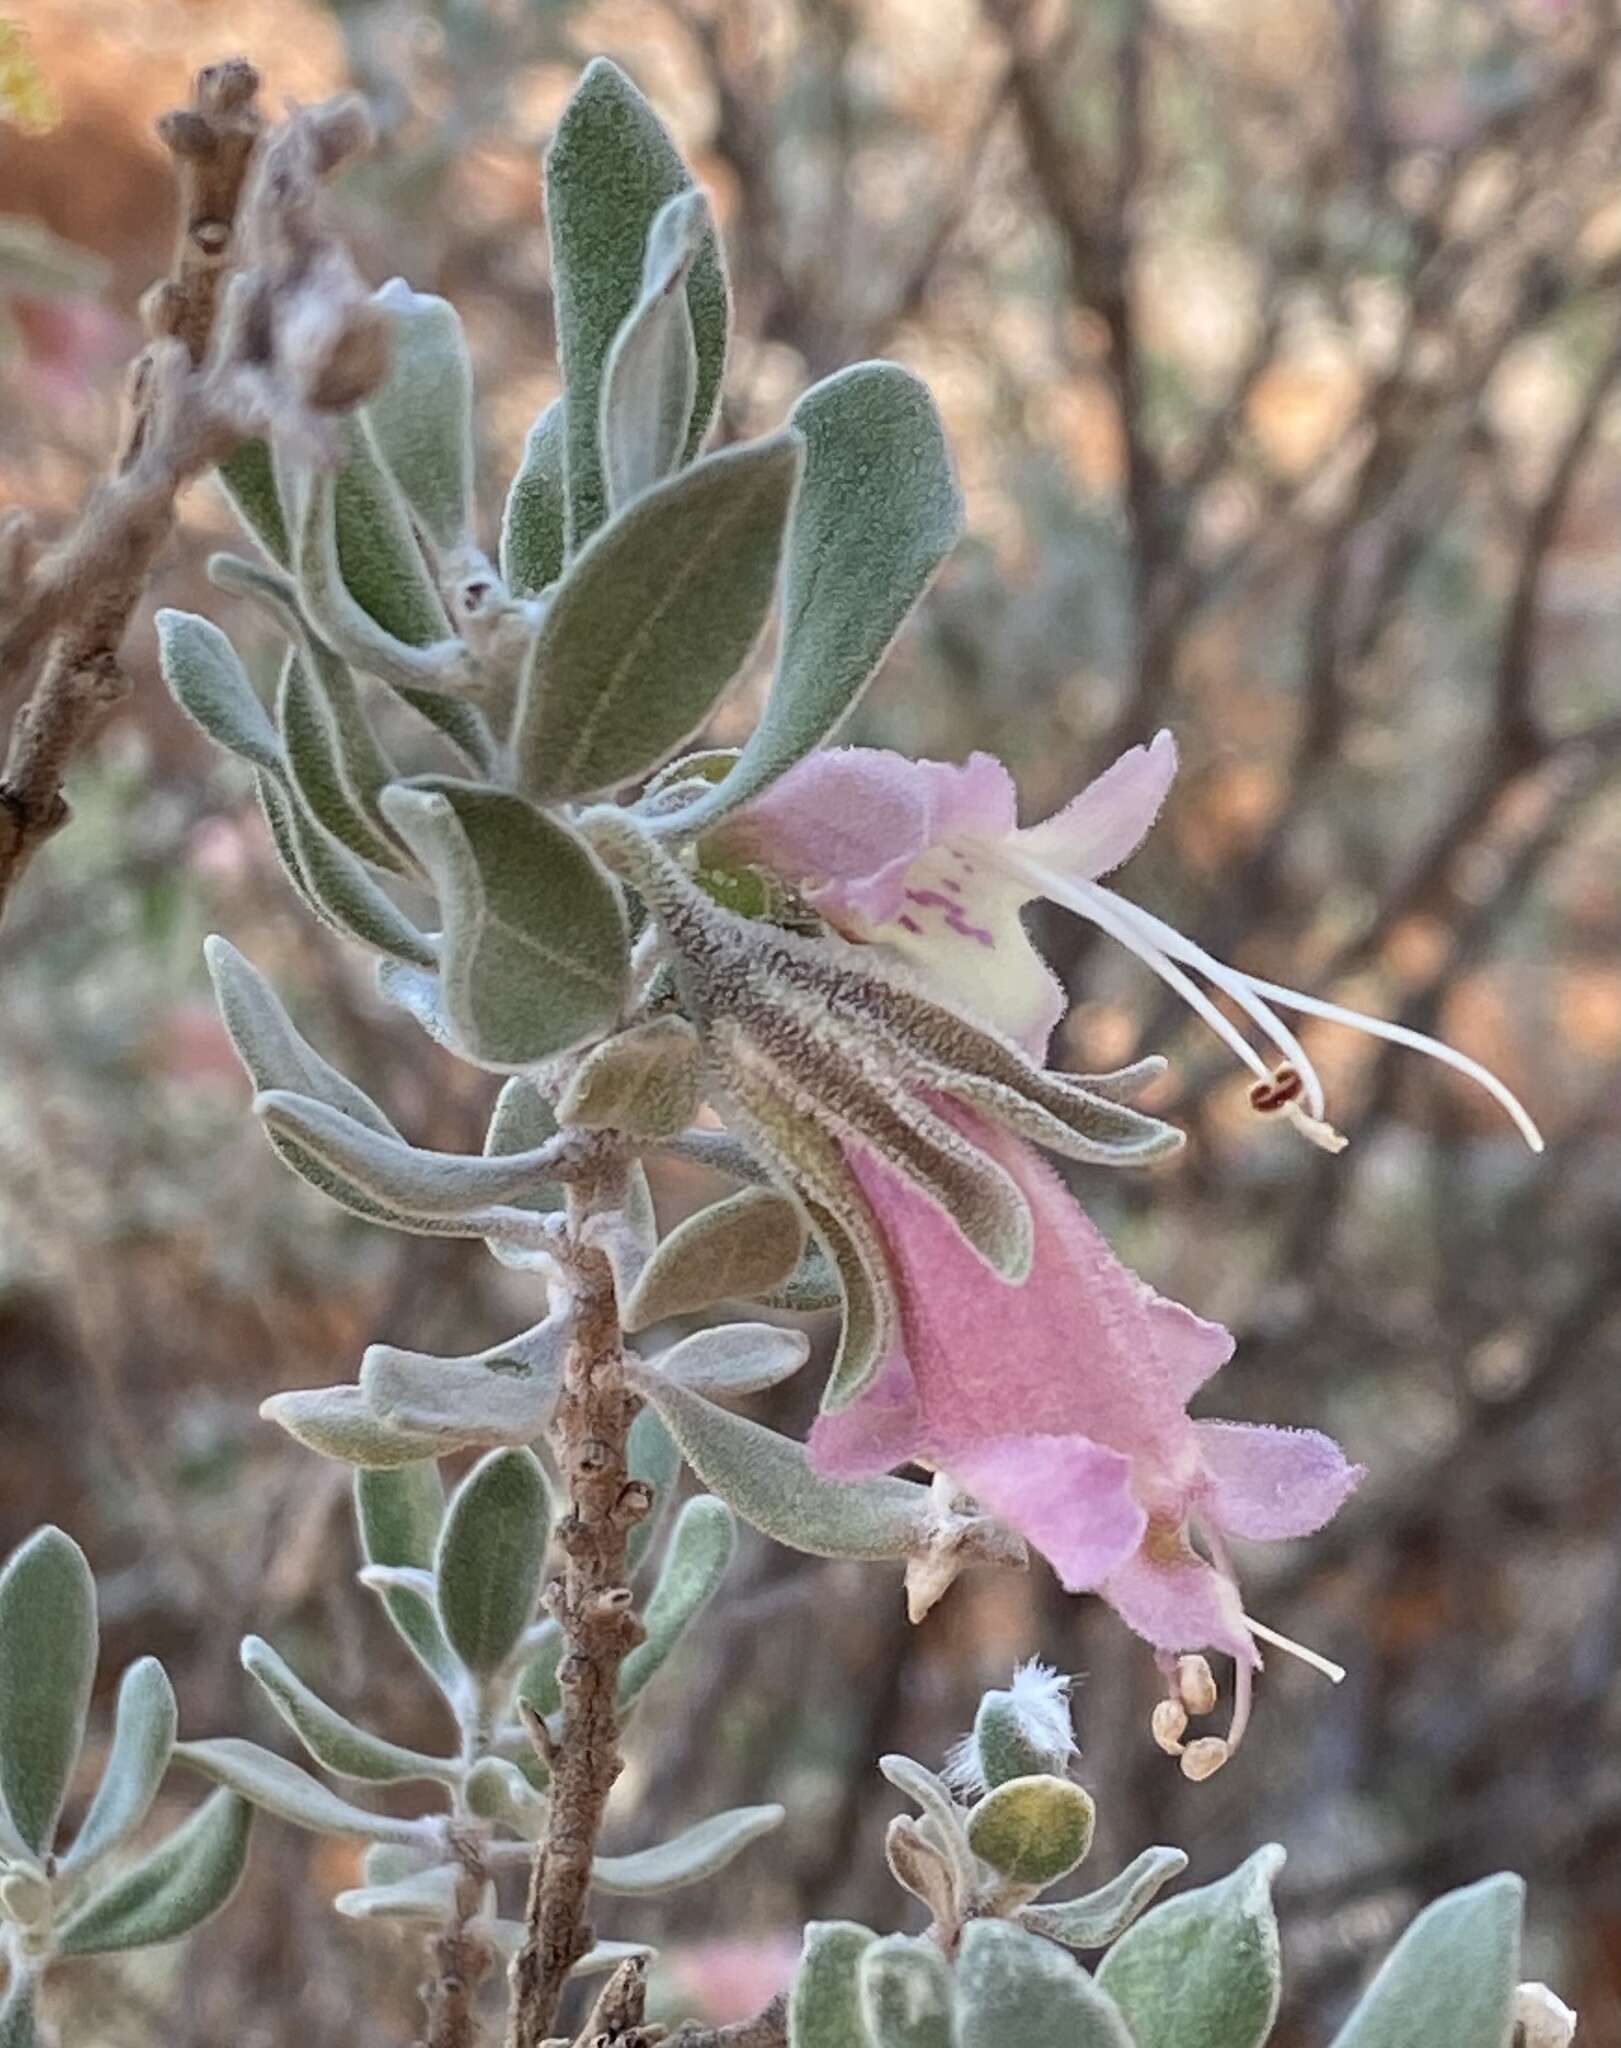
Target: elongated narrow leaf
{"x": 689, "y": 1858}
{"x": 339, "y": 1422}
{"x": 1450, "y": 1978}
{"x": 334, "y": 1741}
{"x": 738, "y": 1248}
{"x": 421, "y": 415}
{"x": 143, "y": 1737}
{"x": 535, "y": 947}
{"x": 738, "y": 1358}
{"x": 768, "y": 1480}
{"x": 1017, "y": 1991}
{"x": 536, "y": 510}
{"x": 422, "y": 1895}
{"x": 398, "y": 1176}
{"x": 341, "y": 889}
{"x": 1102, "y": 1916}
{"x": 47, "y": 1667}
{"x": 824, "y": 2007}
{"x": 248, "y": 479}
{"x": 276, "y": 1786}
{"x": 522, "y": 1121}
{"x": 1203, "y": 1970}
{"x": 501, "y": 1396}
{"x": 701, "y": 1547}
{"x": 211, "y": 686}
{"x": 651, "y": 377}
{"x": 183, "y": 1882}
{"x": 492, "y": 1551}
{"x": 399, "y": 1513}
{"x": 932, "y": 1798}
{"x": 315, "y": 745}
{"x": 906, "y": 1994}
{"x": 653, "y": 621}
{"x": 878, "y": 511}
{"x": 416, "y": 991}
{"x": 610, "y": 168}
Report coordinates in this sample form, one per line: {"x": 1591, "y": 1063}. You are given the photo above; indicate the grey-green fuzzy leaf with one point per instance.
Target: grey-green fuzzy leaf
{"x": 48, "y": 1647}
{"x": 653, "y": 1456}
{"x": 144, "y": 1723}
{"x": 824, "y": 2006}
{"x": 906, "y": 1994}
{"x": 421, "y": 415}
{"x": 399, "y": 1513}
{"x": 652, "y": 622}
{"x": 651, "y": 376}
{"x": 248, "y": 478}
{"x": 1017, "y": 1991}
{"x": 492, "y": 1550}
{"x": 339, "y": 1422}
{"x": 645, "y": 1081}
{"x": 420, "y": 1895}
{"x": 314, "y": 743}
{"x": 335, "y": 1742}
{"x": 504, "y": 1395}
{"x": 184, "y": 1881}
{"x": 535, "y": 953}
{"x": 689, "y": 1858}
{"x": 878, "y": 511}
{"x": 1102, "y": 1916}
{"x": 1034, "y": 1830}
{"x": 701, "y": 1547}
{"x": 769, "y": 1481}
{"x": 738, "y": 1248}
{"x": 737, "y": 1358}
{"x": 532, "y": 544}
{"x": 1203, "y": 1970}
{"x": 271, "y": 1783}
{"x": 1451, "y": 1976}
{"x": 209, "y": 683}
{"x": 610, "y": 168}
{"x": 344, "y": 892}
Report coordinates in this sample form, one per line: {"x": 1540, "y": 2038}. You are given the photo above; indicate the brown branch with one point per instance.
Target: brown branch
{"x": 461, "y": 1960}
{"x": 592, "y": 1604}
{"x": 767, "y": 2029}
{"x": 281, "y": 345}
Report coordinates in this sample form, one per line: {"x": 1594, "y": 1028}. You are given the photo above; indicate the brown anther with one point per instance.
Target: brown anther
{"x": 1168, "y": 1724}
{"x": 1203, "y": 1758}
{"x": 1195, "y": 1685}
{"x": 1284, "y": 1087}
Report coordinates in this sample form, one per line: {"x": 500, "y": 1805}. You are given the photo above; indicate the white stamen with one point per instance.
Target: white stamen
{"x": 1335, "y": 1673}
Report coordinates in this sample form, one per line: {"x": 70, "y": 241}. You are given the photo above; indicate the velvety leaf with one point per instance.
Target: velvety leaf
{"x": 646, "y": 1081}
{"x": 652, "y": 622}
{"x": 824, "y": 2006}
{"x": 143, "y": 1737}
{"x": 1033, "y": 1831}
{"x": 17, "y": 2011}
{"x": 342, "y": 890}
{"x": 181, "y": 1883}
{"x": 1203, "y": 1970}
{"x": 538, "y": 1681}
{"x": 700, "y": 1549}
{"x": 339, "y": 1422}
{"x": 689, "y": 1858}
{"x": 768, "y": 1480}
{"x": 399, "y": 1513}
{"x": 878, "y": 511}
{"x": 421, "y": 415}
{"x": 738, "y": 1358}
{"x": 1102, "y": 1916}
{"x": 535, "y": 947}
{"x": 315, "y": 744}
{"x": 651, "y": 376}
{"x": 400, "y": 1177}
{"x": 906, "y": 1994}
{"x": 536, "y": 510}
{"x": 48, "y": 1647}
{"x": 498, "y": 1790}
{"x": 504, "y": 1395}
{"x": 334, "y": 1741}
{"x": 610, "y": 168}
{"x": 1450, "y": 1978}
{"x": 421, "y": 1895}
{"x": 736, "y": 1249}
{"x": 492, "y": 1551}
{"x": 248, "y": 478}
{"x": 1017, "y": 1991}
{"x": 276, "y": 1786}
{"x": 211, "y": 686}
{"x": 932, "y": 1798}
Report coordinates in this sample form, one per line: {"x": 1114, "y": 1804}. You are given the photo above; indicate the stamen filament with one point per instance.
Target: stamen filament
{"x": 1334, "y": 1673}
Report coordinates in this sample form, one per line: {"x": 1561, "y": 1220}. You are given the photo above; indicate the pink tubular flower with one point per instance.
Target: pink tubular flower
{"x": 1060, "y": 1405}
{"x": 927, "y": 859}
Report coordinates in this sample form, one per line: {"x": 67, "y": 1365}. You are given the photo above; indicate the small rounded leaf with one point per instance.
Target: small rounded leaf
{"x": 143, "y": 1739}
{"x": 184, "y": 1881}
{"x": 906, "y": 1994}
{"x": 824, "y": 2007}
{"x": 211, "y": 686}
{"x": 48, "y": 1647}
{"x": 738, "y": 1248}
{"x": 492, "y": 1551}
{"x": 646, "y": 1081}
{"x": 1033, "y": 1831}
{"x": 1016, "y": 1991}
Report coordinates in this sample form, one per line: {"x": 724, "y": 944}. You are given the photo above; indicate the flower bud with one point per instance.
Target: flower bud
{"x": 1203, "y": 1758}
{"x": 1195, "y": 1686}
{"x": 1169, "y": 1723}
{"x": 1023, "y": 1732}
